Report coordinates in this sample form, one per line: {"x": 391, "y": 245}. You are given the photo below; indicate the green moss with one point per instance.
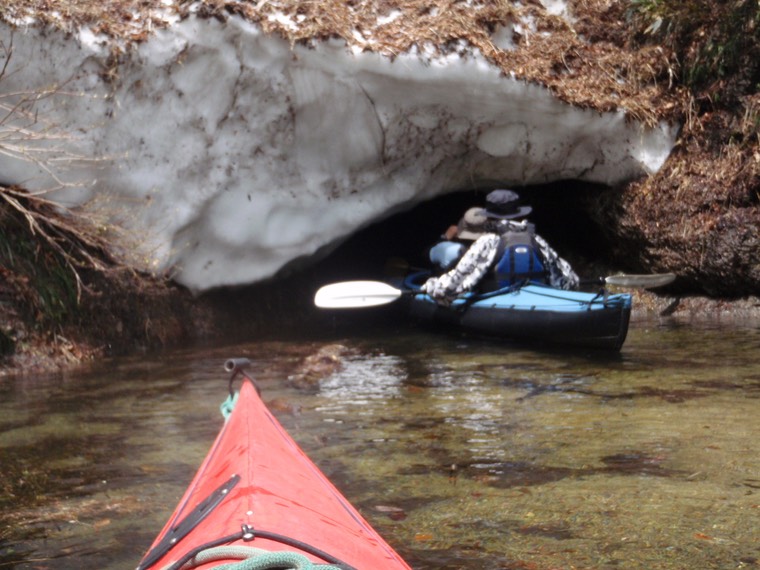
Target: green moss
{"x": 35, "y": 273}
{"x": 20, "y": 484}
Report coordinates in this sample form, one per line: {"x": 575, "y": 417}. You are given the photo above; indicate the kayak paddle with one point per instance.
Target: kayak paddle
{"x": 358, "y": 294}
{"x": 641, "y": 281}
{"x": 355, "y": 294}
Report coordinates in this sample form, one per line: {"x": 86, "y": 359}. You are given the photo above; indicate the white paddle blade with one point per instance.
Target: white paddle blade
{"x": 355, "y": 294}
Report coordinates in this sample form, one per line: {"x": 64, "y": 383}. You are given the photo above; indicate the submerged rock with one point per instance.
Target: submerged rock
{"x": 316, "y": 367}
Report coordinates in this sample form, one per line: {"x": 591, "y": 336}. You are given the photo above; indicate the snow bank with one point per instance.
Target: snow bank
{"x": 228, "y": 154}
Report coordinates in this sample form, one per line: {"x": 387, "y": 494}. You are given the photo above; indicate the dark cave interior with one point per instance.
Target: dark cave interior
{"x": 561, "y": 213}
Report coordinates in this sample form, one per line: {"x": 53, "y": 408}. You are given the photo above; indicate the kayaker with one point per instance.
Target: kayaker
{"x": 503, "y": 210}
{"x": 499, "y": 242}
{"x": 456, "y": 239}
{"x": 471, "y": 263}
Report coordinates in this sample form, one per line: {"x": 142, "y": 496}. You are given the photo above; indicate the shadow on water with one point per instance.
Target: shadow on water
{"x": 463, "y": 453}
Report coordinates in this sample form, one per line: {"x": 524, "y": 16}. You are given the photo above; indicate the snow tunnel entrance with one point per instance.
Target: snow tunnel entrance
{"x": 563, "y": 213}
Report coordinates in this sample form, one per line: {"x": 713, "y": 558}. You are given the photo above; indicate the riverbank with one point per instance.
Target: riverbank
{"x": 117, "y": 314}
{"x": 131, "y": 314}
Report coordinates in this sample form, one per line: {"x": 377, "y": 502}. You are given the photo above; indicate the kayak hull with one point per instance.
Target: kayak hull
{"x": 533, "y": 313}
{"x": 266, "y": 487}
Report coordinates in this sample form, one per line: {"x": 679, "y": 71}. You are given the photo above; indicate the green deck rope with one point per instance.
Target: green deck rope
{"x": 255, "y": 559}
{"x": 229, "y": 404}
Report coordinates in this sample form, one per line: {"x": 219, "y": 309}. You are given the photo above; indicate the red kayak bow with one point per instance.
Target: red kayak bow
{"x": 258, "y": 492}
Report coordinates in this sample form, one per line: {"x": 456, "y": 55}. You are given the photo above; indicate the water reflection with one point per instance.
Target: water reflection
{"x": 465, "y": 454}
{"x": 363, "y": 378}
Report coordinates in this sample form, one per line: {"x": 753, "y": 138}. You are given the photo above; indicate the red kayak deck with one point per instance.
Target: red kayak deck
{"x": 275, "y": 488}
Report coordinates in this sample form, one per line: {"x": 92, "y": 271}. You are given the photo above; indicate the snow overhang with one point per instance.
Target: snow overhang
{"x": 227, "y": 153}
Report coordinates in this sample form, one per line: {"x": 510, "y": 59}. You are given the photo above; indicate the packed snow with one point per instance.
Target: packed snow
{"x": 227, "y": 153}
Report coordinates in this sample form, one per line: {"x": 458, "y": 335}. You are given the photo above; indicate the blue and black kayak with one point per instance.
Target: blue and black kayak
{"x": 530, "y": 312}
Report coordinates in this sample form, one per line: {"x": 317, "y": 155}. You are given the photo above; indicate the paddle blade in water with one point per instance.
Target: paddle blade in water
{"x": 355, "y": 294}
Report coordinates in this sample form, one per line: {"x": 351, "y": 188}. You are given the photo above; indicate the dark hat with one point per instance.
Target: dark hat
{"x": 472, "y": 225}
{"x": 505, "y": 205}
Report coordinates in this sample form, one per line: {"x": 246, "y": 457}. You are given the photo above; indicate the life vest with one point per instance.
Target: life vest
{"x": 519, "y": 259}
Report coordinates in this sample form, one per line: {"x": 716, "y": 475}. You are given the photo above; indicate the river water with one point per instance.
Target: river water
{"x": 463, "y": 453}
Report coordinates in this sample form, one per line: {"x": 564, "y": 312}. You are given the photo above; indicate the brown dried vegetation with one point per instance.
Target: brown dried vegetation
{"x": 587, "y": 63}
{"x": 65, "y": 298}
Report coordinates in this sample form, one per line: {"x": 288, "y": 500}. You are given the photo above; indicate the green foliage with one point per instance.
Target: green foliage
{"x": 668, "y": 17}
{"x": 35, "y": 272}
{"x": 713, "y": 40}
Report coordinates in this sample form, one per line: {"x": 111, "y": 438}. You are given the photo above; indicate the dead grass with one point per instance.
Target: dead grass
{"x": 576, "y": 62}
{"x": 129, "y": 20}
{"x": 586, "y": 62}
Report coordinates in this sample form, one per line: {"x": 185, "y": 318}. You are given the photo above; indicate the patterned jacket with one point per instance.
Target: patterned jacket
{"x": 480, "y": 257}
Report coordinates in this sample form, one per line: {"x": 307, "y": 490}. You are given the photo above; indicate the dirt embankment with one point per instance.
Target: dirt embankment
{"x": 120, "y": 312}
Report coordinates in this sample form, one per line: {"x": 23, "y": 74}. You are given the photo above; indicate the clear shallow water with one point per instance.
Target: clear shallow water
{"x": 464, "y": 454}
